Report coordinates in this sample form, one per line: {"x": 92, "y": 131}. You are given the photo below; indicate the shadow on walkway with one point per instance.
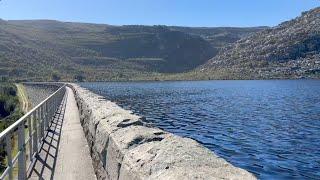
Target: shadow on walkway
{"x": 45, "y": 162}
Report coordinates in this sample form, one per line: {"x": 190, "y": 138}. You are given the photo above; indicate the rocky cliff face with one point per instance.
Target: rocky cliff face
{"x": 291, "y": 49}
{"x": 220, "y": 36}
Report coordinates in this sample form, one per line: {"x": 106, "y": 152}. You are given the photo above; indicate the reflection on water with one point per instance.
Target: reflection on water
{"x": 270, "y": 128}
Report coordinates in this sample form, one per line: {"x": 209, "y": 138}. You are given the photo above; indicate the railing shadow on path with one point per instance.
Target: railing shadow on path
{"x": 45, "y": 162}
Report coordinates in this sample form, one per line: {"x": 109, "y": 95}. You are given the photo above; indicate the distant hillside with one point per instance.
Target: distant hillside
{"x": 289, "y": 50}
{"x": 220, "y": 36}
{"x": 46, "y": 49}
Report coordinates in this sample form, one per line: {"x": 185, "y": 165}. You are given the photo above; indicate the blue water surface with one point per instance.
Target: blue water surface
{"x": 270, "y": 128}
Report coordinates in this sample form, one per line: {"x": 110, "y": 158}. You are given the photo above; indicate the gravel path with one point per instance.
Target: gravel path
{"x": 23, "y": 98}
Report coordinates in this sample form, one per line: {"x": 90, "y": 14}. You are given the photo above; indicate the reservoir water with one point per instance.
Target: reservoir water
{"x": 270, "y": 128}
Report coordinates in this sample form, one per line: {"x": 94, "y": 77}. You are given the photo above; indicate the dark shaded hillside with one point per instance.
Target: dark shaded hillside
{"x": 46, "y": 49}
{"x": 291, "y": 49}
{"x": 220, "y": 36}
{"x": 178, "y": 51}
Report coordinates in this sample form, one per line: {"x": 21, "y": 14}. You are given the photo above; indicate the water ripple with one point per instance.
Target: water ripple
{"x": 270, "y": 128}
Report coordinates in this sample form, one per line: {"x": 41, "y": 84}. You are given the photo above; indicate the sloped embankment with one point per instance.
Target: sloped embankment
{"x": 37, "y": 92}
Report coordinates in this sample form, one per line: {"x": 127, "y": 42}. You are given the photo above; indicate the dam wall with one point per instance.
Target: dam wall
{"x": 124, "y": 147}
{"x": 37, "y": 92}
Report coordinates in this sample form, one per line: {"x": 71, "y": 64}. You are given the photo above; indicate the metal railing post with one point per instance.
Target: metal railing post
{"x": 54, "y": 104}
{"x": 38, "y": 121}
{"x": 9, "y": 155}
{"x": 56, "y": 98}
{"x": 50, "y": 109}
{"x": 39, "y": 125}
{"x": 30, "y": 137}
{"x": 46, "y": 122}
{"x": 22, "y": 156}
{"x": 42, "y": 121}
{"x": 35, "y": 132}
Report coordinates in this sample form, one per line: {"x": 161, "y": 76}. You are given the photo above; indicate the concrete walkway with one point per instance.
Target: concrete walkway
{"x": 64, "y": 153}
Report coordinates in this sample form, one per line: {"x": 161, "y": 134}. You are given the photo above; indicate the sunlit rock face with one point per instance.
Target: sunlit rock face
{"x": 291, "y": 49}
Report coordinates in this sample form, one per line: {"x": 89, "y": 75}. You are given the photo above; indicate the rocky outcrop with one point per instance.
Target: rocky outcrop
{"x": 123, "y": 147}
{"x": 291, "y": 49}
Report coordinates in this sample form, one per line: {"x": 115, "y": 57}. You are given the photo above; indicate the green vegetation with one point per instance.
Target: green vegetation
{"x": 47, "y": 50}
{"x": 44, "y": 50}
{"x": 9, "y": 105}
{"x": 10, "y": 112}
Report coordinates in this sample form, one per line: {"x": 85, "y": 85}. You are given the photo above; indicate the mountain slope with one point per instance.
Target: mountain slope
{"x": 44, "y": 49}
{"x": 289, "y": 50}
{"x": 219, "y": 36}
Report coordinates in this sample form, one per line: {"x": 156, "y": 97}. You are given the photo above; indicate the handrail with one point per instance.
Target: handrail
{"x": 38, "y": 121}
{"x": 15, "y": 124}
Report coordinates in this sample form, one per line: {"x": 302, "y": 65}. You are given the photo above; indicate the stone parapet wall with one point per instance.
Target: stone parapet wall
{"x": 123, "y": 147}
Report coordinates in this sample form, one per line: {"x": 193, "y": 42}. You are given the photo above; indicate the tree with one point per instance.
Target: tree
{"x": 55, "y": 77}
{"x": 4, "y": 79}
{"x": 79, "y": 78}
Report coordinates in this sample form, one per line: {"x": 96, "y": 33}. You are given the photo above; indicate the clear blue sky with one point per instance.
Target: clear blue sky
{"x": 165, "y": 12}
